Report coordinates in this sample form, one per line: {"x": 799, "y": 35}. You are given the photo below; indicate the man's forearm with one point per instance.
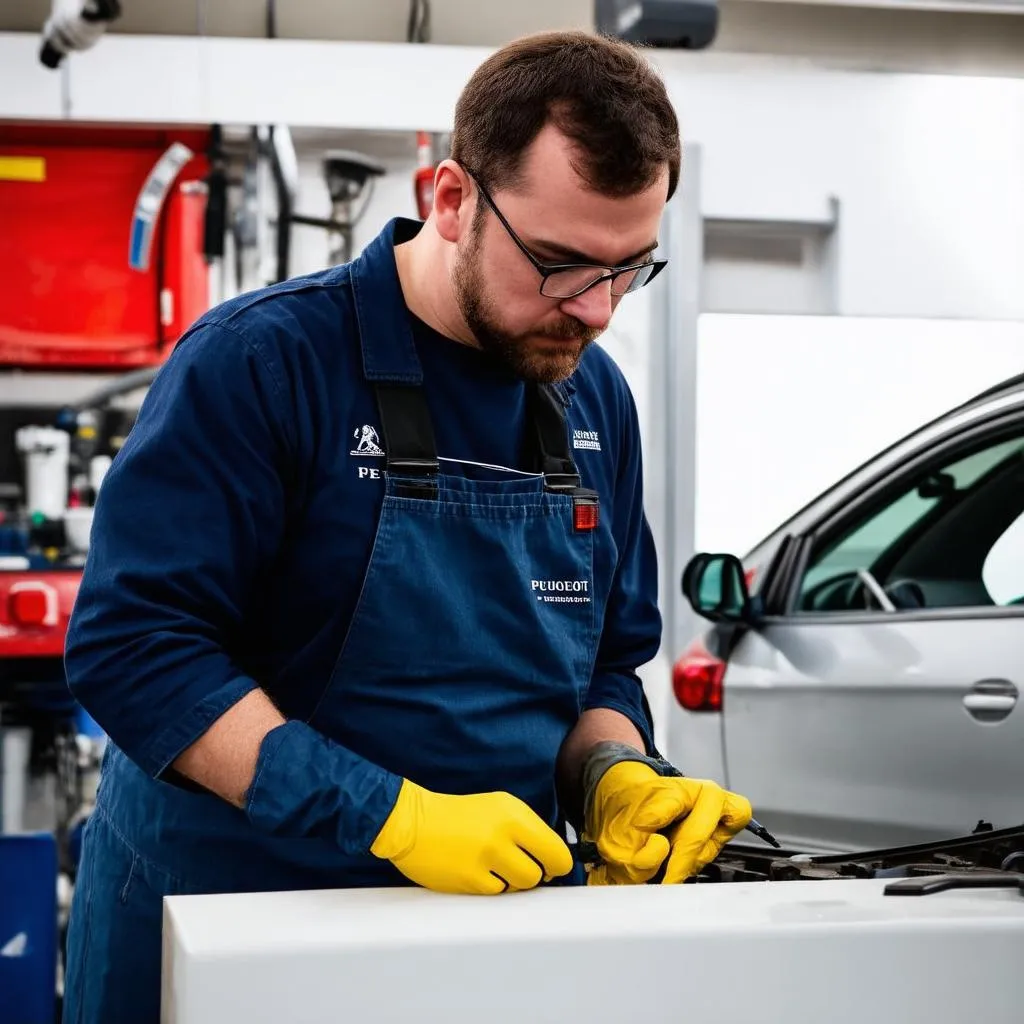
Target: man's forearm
{"x": 223, "y": 760}
{"x": 595, "y": 726}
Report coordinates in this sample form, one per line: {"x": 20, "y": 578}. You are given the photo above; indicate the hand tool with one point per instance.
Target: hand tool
{"x": 585, "y": 851}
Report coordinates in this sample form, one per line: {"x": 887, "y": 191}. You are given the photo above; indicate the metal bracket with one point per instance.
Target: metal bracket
{"x": 930, "y": 884}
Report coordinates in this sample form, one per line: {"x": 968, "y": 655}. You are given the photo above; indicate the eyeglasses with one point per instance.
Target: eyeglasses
{"x": 567, "y": 280}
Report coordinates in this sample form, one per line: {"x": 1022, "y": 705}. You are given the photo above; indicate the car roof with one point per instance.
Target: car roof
{"x": 1010, "y": 384}
{"x": 1007, "y": 394}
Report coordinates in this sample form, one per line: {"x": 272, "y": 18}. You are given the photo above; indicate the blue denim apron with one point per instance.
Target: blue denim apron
{"x": 464, "y": 667}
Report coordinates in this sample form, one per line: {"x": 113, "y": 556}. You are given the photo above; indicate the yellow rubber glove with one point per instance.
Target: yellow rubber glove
{"x": 486, "y": 843}
{"x": 639, "y": 818}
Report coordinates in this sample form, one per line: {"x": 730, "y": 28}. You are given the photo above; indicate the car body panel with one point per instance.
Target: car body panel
{"x": 856, "y": 735}
{"x": 696, "y": 742}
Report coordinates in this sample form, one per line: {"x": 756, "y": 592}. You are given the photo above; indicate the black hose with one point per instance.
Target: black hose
{"x": 215, "y": 220}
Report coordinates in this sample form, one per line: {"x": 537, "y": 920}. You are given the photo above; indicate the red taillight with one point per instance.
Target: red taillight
{"x": 697, "y": 679}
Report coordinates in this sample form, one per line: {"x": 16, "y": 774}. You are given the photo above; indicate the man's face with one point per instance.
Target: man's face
{"x": 560, "y": 221}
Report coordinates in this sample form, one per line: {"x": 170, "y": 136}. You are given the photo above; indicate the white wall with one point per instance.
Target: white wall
{"x": 787, "y": 405}
{"x": 928, "y": 172}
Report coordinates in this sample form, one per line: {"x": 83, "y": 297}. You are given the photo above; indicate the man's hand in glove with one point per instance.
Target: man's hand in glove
{"x": 306, "y": 785}
{"x": 640, "y": 812}
{"x": 486, "y": 843}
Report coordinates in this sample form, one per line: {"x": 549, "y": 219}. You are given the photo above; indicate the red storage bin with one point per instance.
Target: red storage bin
{"x": 68, "y": 296}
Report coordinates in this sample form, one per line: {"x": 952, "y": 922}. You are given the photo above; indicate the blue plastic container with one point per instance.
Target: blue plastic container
{"x": 86, "y": 724}
{"x": 28, "y": 929}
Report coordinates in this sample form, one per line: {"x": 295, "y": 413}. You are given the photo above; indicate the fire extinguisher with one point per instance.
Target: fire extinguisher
{"x": 423, "y": 181}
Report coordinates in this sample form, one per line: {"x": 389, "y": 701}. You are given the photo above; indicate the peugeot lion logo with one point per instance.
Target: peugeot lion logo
{"x": 369, "y": 441}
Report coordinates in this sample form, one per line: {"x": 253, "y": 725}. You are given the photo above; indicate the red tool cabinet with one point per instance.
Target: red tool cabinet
{"x": 68, "y": 296}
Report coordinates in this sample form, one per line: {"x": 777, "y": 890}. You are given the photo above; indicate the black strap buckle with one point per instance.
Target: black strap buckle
{"x": 413, "y": 467}
{"x": 423, "y": 484}
{"x": 563, "y": 483}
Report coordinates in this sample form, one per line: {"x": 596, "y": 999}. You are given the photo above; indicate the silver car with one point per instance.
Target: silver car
{"x": 862, "y": 677}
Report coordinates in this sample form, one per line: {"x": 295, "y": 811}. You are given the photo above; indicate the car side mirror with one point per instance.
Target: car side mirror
{"x": 716, "y": 587}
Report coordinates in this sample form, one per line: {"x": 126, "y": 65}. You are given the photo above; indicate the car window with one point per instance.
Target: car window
{"x": 859, "y": 548}
{"x": 1003, "y": 571}
{"x": 952, "y": 536}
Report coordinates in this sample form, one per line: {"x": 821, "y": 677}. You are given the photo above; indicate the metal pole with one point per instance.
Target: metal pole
{"x": 683, "y": 385}
{"x": 672, "y": 444}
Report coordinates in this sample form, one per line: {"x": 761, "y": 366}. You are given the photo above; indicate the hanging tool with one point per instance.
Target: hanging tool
{"x": 68, "y": 30}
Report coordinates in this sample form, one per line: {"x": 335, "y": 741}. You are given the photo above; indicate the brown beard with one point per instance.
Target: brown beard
{"x": 528, "y": 356}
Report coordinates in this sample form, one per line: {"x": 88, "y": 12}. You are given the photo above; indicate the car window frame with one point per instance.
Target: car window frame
{"x": 895, "y": 481}
{"x": 774, "y": 593}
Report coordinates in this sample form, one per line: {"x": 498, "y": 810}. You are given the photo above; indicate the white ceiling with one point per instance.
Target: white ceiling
{"x": 914, "y": 35}
{"x": 469, "y": 22}
{"x": 456, "y": 22}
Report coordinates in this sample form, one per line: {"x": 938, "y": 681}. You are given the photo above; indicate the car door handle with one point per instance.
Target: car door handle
{"x": 991, "y": 700}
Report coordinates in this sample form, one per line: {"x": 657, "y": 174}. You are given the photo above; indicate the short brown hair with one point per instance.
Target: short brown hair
{"x": 601, "y": 93}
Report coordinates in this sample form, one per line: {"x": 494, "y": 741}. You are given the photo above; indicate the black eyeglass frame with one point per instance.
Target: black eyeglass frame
{"x": 547, "y": 269}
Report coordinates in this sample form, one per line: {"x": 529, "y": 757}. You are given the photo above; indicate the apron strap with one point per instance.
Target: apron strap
{"x": 408, "y": 439}
{"x": 548, "y": 430}
{"x": 547, "y": 439}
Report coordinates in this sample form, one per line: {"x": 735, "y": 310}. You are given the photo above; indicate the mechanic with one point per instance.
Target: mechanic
{"x": 361, "y": 607}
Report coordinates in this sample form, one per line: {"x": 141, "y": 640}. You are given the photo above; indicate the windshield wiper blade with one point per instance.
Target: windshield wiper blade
{"x": 908, "y": 854}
